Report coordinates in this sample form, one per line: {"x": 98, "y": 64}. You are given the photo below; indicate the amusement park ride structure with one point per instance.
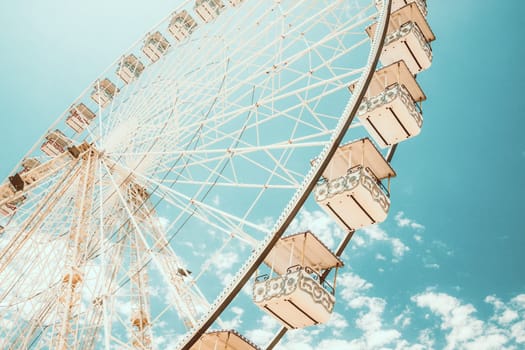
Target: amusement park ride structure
{"x": 81, "y": 215}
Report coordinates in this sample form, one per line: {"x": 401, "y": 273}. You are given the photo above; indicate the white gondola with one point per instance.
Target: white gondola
{"x": 208, "y": 10}
{"x": 10, "y": 208}
{"x": 155, "y": 46}
{"x": 130, "y": 68}
{"x": 79, "y": 117}
{"x": 182, "y": 25}
{"x": 389, "y": 111}
{"x": 297, "y": 296}
{"x": 56, "y": 143}
{"x": 351, "y": 190}
{"x": 29, "y": 164}
{"x": 103, "y": 92}
{"x": 7, "y": 209}
{"x": 137, "y": 195}
{"x": 224, "y": 340}
{"x": 139, "y": 319}
{"x": 17, "y": 182}
{"x": 6, "y": 192}
{"x": 408, "y": 39}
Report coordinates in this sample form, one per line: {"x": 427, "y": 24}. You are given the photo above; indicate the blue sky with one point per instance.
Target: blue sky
{"x": 449, "y": 258}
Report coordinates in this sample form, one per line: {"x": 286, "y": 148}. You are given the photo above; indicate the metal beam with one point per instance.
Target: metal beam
{"x": 257, "y": 260}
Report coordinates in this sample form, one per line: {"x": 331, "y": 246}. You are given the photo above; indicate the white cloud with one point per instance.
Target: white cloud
{"x": 507, "y": 317}
{"x": 398, "y": 248}
{"x": 236, "y": 321}
{"x": 380, "y": 257}
{"x": 432, "y": 266}
{"x": 488, "y": 342}
{"x": 337, "y": 324}
{"x": 371, "y": 322}
{"x": 267, "y": 223}
{"x": 466, "y": 331}
{"x": 352, "y": 289}
{"x": 224, "y": 261}
{"x": 519, "y": 301}
{"x": 455, "y": 317}
{"x": 266, "y": 328}
{"x": 405, "y": 345}
{"x": 247, "y": 290}
{"x": 502, "y": 313}
{"x": 426, "y": 338}
{"x": 403, "y": 319}
{"x": 226, "y": 278}
{"x": 299, "y": 339}
{"x": 376, "y": 233}
{"x": 320, "y": 224}
{"x": 403, "y": 221}
{"x": 164, "y": 222}
{"x": 518, "y": 332}
{"x": 358, "y": 241}
{"x": 336, "y": 344}
{"x": 442, "y": 246}
{"x": 351, "y": 285}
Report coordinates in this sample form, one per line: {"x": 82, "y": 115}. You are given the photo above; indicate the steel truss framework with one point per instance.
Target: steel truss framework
{"x": 204, "y": 155}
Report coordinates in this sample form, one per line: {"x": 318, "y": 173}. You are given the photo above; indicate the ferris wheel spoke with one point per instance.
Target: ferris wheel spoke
{"x": 141, "y": 237}
{"x": 207, "y": 264}
{"x": 249, "y": 108}
{"x": 108, "y": 263}
{"x": 284, "y": 158}
{"x": 234, "y": 184}
{"x": 224, "y": 222}
{"x": 219, "y": 116}
{"x": 45, "y": 271}
{"x": 281, "y": 113}
{"x": 45, "y": 251}
{"x": 163, "y": 188}
{"x": 141, "y": 332}
{"x": 165, "y": 257}
{"x": 200, "y": 205}
{"x": 69, "y": 295}
{"x": 231, "y": 152}
{"x": 215, "y": 221}
{"x": 286, "y": 176}
{"x": 29, "y": 331}
{"x": 234, "y": 150}
{"x": 35, "y": 220}
{"x": 188, "y": 305}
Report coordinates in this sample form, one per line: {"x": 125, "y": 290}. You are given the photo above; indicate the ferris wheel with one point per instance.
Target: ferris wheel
{"x": 168, "y": 185}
